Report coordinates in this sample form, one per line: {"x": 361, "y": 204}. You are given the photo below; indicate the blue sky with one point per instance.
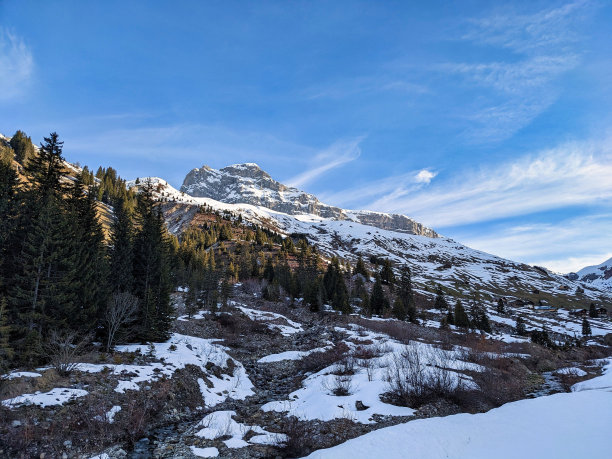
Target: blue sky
{"x": 488, "y": 121}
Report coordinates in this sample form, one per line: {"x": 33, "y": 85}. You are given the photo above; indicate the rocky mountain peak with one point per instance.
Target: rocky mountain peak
{"x": 249, "y": 184}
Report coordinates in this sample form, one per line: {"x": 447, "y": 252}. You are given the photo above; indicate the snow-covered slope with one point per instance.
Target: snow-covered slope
{"x": 598, "y": 276}
{"x": 557, "y": 426}
{"x": 463, "y": 271}
{"x": 248, "y": 184}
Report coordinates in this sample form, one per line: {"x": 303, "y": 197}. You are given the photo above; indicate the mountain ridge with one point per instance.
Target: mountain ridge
{"x": 249, "y": 184}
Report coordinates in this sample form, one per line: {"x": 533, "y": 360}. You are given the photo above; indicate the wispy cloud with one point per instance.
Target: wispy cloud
{"x": 574, "y": 173}
{"x": 16, "y": 65}
{"x": 336, "y": 155}
{"x": 364, "y": 85}
{"x": 551, "y": 245}
{"x": 378, "y": 192}
{"x": 544, "y": 47}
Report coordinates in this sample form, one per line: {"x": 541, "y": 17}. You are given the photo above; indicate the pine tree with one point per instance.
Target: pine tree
{"x": 440, "y": 302}
{"x": 6, "y": 351}
{"x": 22, "y": 146}
{"x": 520, "y": 328}
{"x": 500, "y": 306}
{"x": 450, "y": 318}
{"x": 406, "y": 294}
{"x": 386, "y": 273}
{"x": 152, "y": 270}
{"x": 360, "y": 268}
{"x": 586, "y": 327}
{"x": 378, "y": 300}
{"x": 592, "y": 310}
{"x": 399, "y": 311}
{"x": 8, "y": 220}
{"x": 90, "y": 267}
{"x": 461, "y": 317}
{"x": 121, "y": 252}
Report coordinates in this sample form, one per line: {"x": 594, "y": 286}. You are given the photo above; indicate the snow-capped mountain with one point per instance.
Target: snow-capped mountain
{"x": 249, "y": 184}
{"x": 463, "y": 271}
{"x": 598, "y": 275}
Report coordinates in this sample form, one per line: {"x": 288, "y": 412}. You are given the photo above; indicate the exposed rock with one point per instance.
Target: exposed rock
{"x": 248, "y": 184}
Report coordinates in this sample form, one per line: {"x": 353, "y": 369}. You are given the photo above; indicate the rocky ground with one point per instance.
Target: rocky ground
{"x": 261, "y": 379}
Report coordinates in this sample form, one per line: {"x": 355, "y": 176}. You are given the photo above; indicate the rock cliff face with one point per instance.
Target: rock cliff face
{"x": 249, "y": 184}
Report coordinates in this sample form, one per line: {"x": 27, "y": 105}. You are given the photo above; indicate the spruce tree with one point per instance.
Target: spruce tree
{"x": 399, "y": 311}
{"x": 89, "y": 282}
{"x": 500, "y": 306}
{"x": 386, "y": 273}
{"x": 586, "y": 327}
{"x": 520, "y": 328}
{"x": 378, "y": 300}
{"x": 121, "y": 251}
{"x": 440, "y": 302}
{"x": 152, "y": 270}
{"x": 461, "y": 318}
{"x": 406, "y": 294}
{"x": 360, "y": 268}
{"x": 6, "y": 351}
{"x": 22, "y": 146}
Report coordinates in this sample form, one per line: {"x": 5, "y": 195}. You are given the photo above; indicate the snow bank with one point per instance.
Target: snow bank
{"x": 603, "y": 382}
{"x": 557, "y": 426}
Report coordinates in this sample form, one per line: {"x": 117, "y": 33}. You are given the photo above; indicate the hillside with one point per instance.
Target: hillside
{"x": 462, "y": 271}
{"x": 599, "y": 276}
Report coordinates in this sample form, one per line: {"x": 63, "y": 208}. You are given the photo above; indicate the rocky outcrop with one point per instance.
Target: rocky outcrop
{"x": 249, "y": 184}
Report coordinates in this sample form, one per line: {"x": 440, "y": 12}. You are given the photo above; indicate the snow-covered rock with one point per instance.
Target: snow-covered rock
{"x": 249, "y": 184}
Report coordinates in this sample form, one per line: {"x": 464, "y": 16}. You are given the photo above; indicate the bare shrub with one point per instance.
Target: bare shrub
{"x": 413, "y": 381}
{"x": 121, "y": 310}
{"x": 340, "y": 385}
{"x": 316, "y": 361}
{"x": 300, "y": 440}
{"x": 345, "y": 367}
{"x": 368, "y": 366}
{"x": 64, "y": 350}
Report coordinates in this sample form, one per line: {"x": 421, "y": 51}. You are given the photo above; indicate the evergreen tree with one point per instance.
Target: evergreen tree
{"x": 152, "y": 270}
{"x": 520, "y": 328}
{"x": 592, "y": 310}
{"x": 360, "y": 268}
{"x": 386, "y": 273}
{"x": 406, "y": 294}
{"x": 450, "y": 319}
{"x": 121, "y": 253}
{"x": 460, "y": 316}
{"x": 6, "y": 351}
{"x": 399, "y": 311}
{"x": 586, "y": 327}
{"x": 22, "y": 146}
{"x": 87, "y": 240}
{"x": 500, "y": 306}
{"x": 8, "y": 220}
{"x": 226, "y": 292}
{"x": 440, "y": 302}
{"x": 378, "y": 300}
{"x": 45, "y": 266}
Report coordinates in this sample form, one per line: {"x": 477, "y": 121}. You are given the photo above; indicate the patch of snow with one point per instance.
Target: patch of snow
{"x": 204, "y": 452}
{"x": 221, "y": 424}
{"x": 57, "y": 396}
{"x": 21, "y": 374}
